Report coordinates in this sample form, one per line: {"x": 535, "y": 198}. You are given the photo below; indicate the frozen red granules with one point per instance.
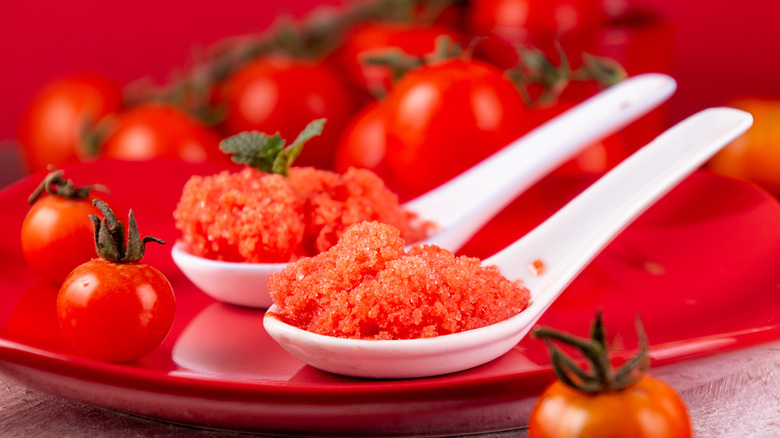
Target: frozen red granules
{"x": 253, "y": 216}
{"x": 368, "y": 287}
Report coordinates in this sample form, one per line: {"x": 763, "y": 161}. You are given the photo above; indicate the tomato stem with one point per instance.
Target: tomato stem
{"x": 602, "y": 377}
{"x": 534, "y": 67}
{"x": 311, "y": 38}
{"x": 605, "y": 71}
{"x": 400, "y": 62}
{"x": 55, "y": 184}
{"x": 110, "y": 237}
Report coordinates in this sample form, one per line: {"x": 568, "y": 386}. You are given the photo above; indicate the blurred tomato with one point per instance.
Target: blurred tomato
{"x": 755, "y": 156}
{"x": 362, "y": 144}
{"x": 281, "y": 94}
{"x": 378, "y": 38}
{"x": 544, "y": 17}
{"x": 52, "y": 127}
{"x": 445, "y": 117}
{"x": 161, "y": 131}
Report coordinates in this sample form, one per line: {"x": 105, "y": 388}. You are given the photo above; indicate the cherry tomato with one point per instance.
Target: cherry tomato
{"x": 599, "y": 401}
{"x": 52, "y": 127}
{"x": 115, "y": 308}
{"x": 115, "y": 312}
{"x": 160, "y": 131}
{"x": 57, "y": 234}
{"x": 755, "y": 155}
{"x": 282, "y": 94}
{"x": 379, "y": 37}
{"x": 648, "y": 408}
{"x": 444, "y": 117}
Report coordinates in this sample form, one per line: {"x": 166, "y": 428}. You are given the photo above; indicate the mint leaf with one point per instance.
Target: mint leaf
{"x": 268, "y": 153}
{"x": 254, "y": 149}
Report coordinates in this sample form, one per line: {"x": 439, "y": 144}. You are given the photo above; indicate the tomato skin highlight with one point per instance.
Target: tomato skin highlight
{"x": 52, "y": 124}
{"x": 648, "y": 408}
{"x": 445, "y": 117}
{"x": 57, "y": 236}
{"x": 115, "y": 312}
{"x": 283, "y": 94}
{"x": 152, "y": 130}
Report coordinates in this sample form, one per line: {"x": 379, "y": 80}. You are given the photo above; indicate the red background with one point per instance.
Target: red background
{"x": 723, "y": 49}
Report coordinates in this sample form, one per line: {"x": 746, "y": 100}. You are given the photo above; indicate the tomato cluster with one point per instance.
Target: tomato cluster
{"x": 394, "y": 100}
{"x": 111, "y": 307}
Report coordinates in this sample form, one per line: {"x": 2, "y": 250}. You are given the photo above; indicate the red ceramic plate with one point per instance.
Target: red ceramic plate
{"x": 700, "y": 268}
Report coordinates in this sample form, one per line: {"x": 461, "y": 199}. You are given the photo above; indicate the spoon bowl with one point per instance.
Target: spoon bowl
{"x": 565, "y": 243}
{"x": 461, "y": 206}
{"x": 400, "y": 359}
{"x": 241, "y": 284}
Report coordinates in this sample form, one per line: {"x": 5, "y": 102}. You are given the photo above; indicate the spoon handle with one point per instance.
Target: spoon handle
{"x": 572, "y": 237}
{"x": 465, "y": 203}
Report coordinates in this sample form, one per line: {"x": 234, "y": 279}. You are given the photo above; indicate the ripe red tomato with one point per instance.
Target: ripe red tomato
{"x": 160, "y": 131}
{"x": 648, "y": 408}
{"x": 444, "y": 117}
{"x": 115, "y": 308}
{"x": 379, "y": 37}
{"x": 57, "y": 234}
{"x": 52, "y": 126}
{"x": 115, "y": 312}
{"x": 281, "y": 94}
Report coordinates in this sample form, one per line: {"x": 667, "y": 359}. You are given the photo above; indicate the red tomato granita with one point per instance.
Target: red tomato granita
{"x": 248, "y": 216}
{"x": 272, "y": 212}
{"x": 368, "y": 286}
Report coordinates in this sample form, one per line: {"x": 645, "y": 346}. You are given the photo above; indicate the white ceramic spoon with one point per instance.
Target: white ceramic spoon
{"x": 565, "y": 243}
{"x": 464, "y": 204}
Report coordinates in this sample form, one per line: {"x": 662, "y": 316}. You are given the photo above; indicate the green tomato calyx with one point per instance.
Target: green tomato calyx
{"x": 601, "y": 376}
{"x": 110, "y": 237}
